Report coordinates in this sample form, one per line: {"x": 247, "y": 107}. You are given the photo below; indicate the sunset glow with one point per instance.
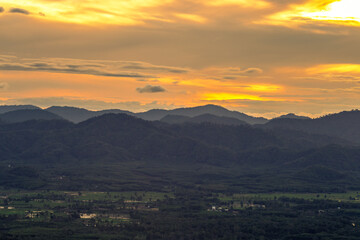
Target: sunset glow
{"x": 336, "y": 68}
{"x": 343, "y": 12}
{"x": 126, "y": 12}
{"x": 230, "y": 96}
{"x": 261, "y": 57}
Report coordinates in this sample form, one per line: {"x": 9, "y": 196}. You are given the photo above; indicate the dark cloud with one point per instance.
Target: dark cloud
{"x": 230, "y": 78}
{"x": 253, "y": 71}
{"x": 142, "y": 70}
{"x": 68, "y": 69}
{"x": 3, "y": 85}
{"x": 150, "y": 89}
{"x": 2, "y": 9}
{"x": 19, "y": 10}
{"x": 39, "y": 65}
{"x": 140, "y": 66}
{"x": 247, "y": 71}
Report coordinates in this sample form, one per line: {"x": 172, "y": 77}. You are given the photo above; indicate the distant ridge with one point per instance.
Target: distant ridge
{"x": 292, "y": 116}
{"x": 344, "y": 125}
{"x": 77, "y": 115}
{"x": 176, "y": 119}
{"x": 28, "y": 114}
{"x": 9, "y": 108}
{"x": 158, "y": 114}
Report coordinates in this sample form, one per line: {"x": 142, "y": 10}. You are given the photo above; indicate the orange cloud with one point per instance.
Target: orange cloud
{"x": 340, "y": 12}
{"x": 230, "y": 96}
{"x": 243, "y": 3}
{"x": 125, "y": 12}
{"x": 334, "y": 68}
{"x": 191, "y": 17}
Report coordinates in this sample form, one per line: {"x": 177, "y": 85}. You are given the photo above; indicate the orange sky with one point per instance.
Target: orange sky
{"x": 261, "y": 57}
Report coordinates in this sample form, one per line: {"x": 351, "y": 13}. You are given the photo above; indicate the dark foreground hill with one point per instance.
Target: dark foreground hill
{"x": 121, "y": 152}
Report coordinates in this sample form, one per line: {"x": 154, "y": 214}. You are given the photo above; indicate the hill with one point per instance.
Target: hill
{"x": 342, "y": 125}
{"x": 176, "y": 119}
{"x": 10, "y": 108}
{"x": 210, "y": 112}
{"x": 77, "y": 115}
{"x": 122, "y": 152}
{"x": 292, "y": 116}
{"x": 26, "y": 115}
{"x": 158, "y": 114}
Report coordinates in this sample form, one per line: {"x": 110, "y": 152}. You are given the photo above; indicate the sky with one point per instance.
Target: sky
{"x": 260, "y": 57}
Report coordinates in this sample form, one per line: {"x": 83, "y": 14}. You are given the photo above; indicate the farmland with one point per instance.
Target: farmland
{"x": 181, "y": 214}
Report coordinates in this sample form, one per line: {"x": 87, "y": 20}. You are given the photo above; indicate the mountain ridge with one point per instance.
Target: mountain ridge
{"x": 343, "y": 125}
{"x": 207, "y": 117}
{"x": 158, "y": 114}
{"x": 114, "y": 149}
{"x": 28, "y": 114}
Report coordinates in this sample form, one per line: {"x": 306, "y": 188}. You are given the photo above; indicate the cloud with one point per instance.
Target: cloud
{"x": 3, "y": 86}
{"x": 2, "y": 9}
{"x": 150, "y": 89}
{"x": 143, "y": 66}
{"x": 232, "y": 73}
{"x": 131, "y": 13}
{"x": 247, "y": 71}
{"x": 91, "y": 67}
{"x": 19, "y": 10}
{"x": 68, "y": 69}
{"x": 315, "y": 14}
{"x": 243, "y": 3}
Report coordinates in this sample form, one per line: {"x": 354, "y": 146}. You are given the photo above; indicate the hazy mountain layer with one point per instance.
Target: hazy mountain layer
{"x": 178, "y": 119}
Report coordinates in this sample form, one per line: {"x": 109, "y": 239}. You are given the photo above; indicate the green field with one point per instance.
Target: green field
{"x": 184, "y": 214}
{"x": 353, "y": 196}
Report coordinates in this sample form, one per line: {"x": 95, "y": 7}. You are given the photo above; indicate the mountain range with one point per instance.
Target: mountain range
{"x": 121, "y": 151}
{"x": 210, "y": 118}
{"x": 77, "y": 115}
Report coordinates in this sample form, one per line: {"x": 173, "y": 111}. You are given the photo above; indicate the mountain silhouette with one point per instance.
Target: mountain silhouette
{"x": 10, "y": 108}
{"x": 119, "y": 151}
{"x": 178, "y": 119}
{"x": 77, "y": 115}
{"x": 158, "y": 114}
{"x": 292, "y": 116}
{"x": 28, "y": 114}
{"x": 343, "y": 125}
